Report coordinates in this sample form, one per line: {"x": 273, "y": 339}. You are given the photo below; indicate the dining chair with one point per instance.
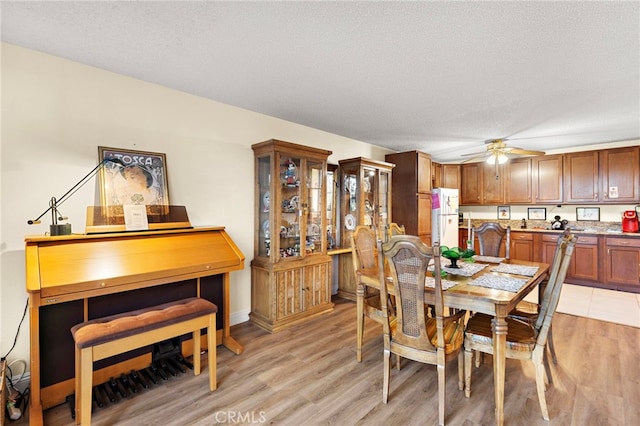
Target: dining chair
{"x": 490, "y": 236}
{"x": 530, "y": 311}
{"x": 395, "y": 229}
{"x": 365, "y": 266}
{"x": 415, "y": 335}
{"x": 524, "y": 340}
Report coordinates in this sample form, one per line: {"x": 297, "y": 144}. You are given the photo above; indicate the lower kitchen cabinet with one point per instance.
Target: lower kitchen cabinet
{"x": 522, "y": 246}
{"x": 583, "y": 268}
{"x": 622, "y": 263}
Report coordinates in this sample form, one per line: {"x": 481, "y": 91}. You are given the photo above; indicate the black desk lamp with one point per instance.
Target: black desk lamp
{"x": 65, "y": 228}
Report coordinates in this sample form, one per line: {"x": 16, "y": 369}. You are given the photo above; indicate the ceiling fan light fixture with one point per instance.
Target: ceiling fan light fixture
{"x": 500, "y": 157}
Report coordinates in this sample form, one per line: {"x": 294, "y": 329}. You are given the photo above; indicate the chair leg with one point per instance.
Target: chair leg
{"x": 386, "y": 376}
{"x": 551, "y": 347}
{"x": 441, "y": 393}
{"x": 479, "y": 358}
{"x": 540, "y": 373}
{"x": 468, "y": 354}
{"x": 86, "y": 379}
{"x": 461, "y": 370}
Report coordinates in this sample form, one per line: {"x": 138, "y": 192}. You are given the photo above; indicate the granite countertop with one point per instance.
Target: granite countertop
{"x": 582, "y": 227}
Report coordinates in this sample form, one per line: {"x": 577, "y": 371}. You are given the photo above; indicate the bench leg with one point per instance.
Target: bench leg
{"x": 196, "y": 352}
{"x": 83, "y": 395}
{"x": 211, "y": 352}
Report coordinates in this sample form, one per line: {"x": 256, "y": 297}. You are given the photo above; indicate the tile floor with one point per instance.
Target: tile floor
{"x": 606, "y": 305}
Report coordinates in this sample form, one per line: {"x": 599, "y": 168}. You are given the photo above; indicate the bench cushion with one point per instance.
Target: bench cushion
{"x": 114, "y": 327}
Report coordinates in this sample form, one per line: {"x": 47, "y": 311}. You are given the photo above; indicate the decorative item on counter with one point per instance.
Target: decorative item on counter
{"x": 524, "y": 223}
{"x": 630, "y": 220}
{"x": 455, "y": 253}
{"x": 559, "y": 224}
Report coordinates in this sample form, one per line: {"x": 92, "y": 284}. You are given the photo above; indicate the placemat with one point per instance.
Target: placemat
{"x": 506, "y": 268}
{"x": 466, "y": 269}
{"x": 499, "y": 282}
{"x": 431, "y": 283}
{"x": 488, "y": 259}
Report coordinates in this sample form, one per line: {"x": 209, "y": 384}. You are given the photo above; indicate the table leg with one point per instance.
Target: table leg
{"x": 499, "y": 328}
{"x": 360, "y": 290}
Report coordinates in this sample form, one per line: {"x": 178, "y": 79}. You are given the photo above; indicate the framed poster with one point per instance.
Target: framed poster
{"x": 537, "y": 213}
{"x": 504, "y": 212}
{"x": 133, "y": 178}
{"x": 588, "y": 213}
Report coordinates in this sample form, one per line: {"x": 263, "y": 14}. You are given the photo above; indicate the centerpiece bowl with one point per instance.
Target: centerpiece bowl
{"x": 454, "y": 254}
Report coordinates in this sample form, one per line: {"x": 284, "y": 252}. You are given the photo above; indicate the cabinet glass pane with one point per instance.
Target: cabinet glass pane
{"x": 315, "y": 188}
{"x": 264, "y": 180}
{"x": 368, "y": 193}
{"x": 349, "y": 203}
{"x": 290, "y": 208}
{"x": 383, "y": 191}
{"x": 331, "y": 209}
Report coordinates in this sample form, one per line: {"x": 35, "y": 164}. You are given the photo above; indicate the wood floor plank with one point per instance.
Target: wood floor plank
{"x": 308, "y": 375}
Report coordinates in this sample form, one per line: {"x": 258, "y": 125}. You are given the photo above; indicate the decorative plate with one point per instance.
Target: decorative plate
{"x": 294, "y": 202}
{"x": 350, "y": 222}
{"x": 266, "y": 201}
{"x": 265, "y": 229}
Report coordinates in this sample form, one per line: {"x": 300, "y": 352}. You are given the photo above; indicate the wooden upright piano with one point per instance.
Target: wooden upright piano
{"x": 76, "y": 278}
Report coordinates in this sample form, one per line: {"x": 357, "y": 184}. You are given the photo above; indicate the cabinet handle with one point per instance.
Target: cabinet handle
{"x": 608, "y": 252}
{"x": 624, "y": 243}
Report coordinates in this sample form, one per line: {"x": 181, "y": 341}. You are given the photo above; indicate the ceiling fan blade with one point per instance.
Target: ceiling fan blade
{"x": 477, "y": 157}
{"x": 486, "y": 153}
{"x": 520, "y": 151}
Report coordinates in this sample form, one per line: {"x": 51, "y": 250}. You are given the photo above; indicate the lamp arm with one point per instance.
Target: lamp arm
{"x": 54, "y": 203}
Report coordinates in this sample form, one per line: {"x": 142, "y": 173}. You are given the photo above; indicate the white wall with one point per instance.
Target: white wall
{"x": 55, "y": 114}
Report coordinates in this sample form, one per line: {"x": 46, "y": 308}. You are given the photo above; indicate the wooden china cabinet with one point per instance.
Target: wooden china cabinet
{"x": 365, "y": 199}
{"x": 291, "y": 271}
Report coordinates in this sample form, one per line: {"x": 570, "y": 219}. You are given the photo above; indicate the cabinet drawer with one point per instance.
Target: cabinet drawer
{"x": 521, "y": 236}
{"x": 584, "y": 240}
{"x": 623, "y": 242}
{"x": 552, "y": 238}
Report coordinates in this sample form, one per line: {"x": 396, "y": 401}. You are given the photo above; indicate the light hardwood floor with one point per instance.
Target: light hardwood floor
{"x": 308, "y": 375}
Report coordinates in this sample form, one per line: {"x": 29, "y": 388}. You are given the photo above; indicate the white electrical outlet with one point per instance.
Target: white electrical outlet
{"x": 613, "y": 192}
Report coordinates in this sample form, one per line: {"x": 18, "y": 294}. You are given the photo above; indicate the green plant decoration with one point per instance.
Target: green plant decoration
{"x": 455, "y": 253}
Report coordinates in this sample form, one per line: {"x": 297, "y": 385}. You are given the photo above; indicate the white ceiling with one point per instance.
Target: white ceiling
{"x": 441, "y": 77}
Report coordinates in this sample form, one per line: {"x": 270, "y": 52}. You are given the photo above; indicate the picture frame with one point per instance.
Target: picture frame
{"x": 504, "y": 212}
{"x": 588, "y": 213}
{"x": 131, "y": 177}
{"x": 537, "y": 213}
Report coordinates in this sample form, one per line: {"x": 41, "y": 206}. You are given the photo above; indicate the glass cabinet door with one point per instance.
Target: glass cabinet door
{"x": 332, "y": 206}
{"x": 290, "y": 208}
{"x": 384, "y": 201}
{"x": 313, "y": 207}
{"x": 264, "y": 203}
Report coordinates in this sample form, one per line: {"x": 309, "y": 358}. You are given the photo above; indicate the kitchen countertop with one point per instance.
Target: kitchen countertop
{"x": 589, "y": 228}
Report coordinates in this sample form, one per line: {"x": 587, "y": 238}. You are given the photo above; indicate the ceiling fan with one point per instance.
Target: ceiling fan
{"x": 498, "y": 152}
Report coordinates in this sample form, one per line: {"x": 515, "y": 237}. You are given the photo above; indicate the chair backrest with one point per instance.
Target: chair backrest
{"x": 363, "y": 248}
{"x": 408, "y": 258}
{"x": 557, "y": 274}
{"x": 394, "y": 229}
{"x": 490, "y": 236}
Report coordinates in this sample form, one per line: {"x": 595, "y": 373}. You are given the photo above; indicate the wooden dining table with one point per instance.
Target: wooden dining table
{"x": 464, "y": 294}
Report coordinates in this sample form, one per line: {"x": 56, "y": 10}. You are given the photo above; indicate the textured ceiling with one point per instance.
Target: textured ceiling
{"x": 441, "y": 77}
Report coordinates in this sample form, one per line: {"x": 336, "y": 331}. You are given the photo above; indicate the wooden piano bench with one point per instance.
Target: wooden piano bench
{"x": 104, "y": 337}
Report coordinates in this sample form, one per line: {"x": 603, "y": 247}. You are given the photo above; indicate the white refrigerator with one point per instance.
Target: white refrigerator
{"x": 444, "y": 218}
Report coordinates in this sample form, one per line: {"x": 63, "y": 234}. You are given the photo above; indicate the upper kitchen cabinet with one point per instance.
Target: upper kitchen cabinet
{"x": 606, "y": 176}
{"x": 620, "y": 175}
{"x": 450, "y": 176}
{"x": 518, "y": 181}
{"x": 581, "y": 177}
{"x": 482, "y": 183}
{"x": 412, "y": 177}
{"x": 546, "y": 179}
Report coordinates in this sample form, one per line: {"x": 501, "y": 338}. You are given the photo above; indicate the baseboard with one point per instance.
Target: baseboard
{"x": 239, "y": 317}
